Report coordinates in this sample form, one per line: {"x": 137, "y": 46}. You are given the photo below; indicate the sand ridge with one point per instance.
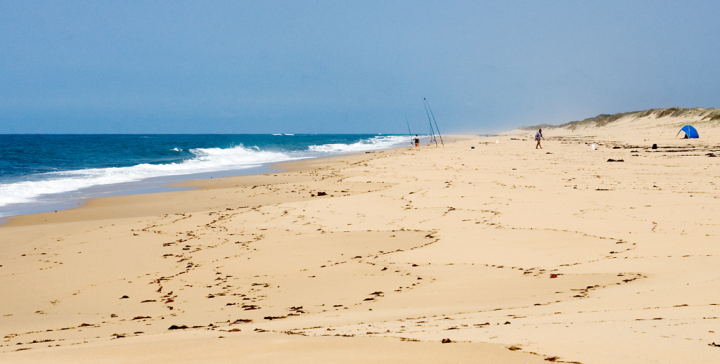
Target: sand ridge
{"x": 556, "y": 254}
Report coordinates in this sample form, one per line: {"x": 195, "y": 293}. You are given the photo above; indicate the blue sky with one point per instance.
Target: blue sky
{"x": 347, "y": 66}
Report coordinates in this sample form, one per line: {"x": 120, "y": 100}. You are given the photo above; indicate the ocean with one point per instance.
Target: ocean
{"x": 40, "y": 173}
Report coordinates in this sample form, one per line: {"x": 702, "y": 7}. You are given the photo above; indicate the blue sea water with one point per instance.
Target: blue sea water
{"x": 50, "y": 172}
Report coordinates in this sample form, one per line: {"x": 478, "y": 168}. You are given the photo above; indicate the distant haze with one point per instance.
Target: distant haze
{"x": 347, "y": 66}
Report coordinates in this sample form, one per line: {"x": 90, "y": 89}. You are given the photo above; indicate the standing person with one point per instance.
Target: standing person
{"x": 417, "y": 140}
{"x": 538, "y": 137}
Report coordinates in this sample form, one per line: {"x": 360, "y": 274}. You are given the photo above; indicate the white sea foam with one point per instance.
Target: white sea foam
{"x": 206, "y": 160}
{"x": 378, "y": 142}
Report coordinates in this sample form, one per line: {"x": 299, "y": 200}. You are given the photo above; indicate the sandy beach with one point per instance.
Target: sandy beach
{"x": 512, "y": 254}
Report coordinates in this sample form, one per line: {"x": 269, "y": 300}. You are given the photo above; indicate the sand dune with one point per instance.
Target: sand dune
{"x": 640, "y": 127}
{"x": 514, "y": 254}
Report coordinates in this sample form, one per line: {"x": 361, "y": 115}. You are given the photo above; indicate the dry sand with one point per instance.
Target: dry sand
{"x": 515, "y": 254}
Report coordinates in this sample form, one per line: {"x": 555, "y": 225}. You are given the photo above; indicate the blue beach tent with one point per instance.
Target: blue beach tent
{"x": 689, "y": 131}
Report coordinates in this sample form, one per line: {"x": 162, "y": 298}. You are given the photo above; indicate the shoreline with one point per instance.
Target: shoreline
{"x": 556, "y": 253}
{"x": 108, "y": 207}
{"x": 189, "y": 184}
{"x": 50, "y": 202}
{"x": 159, "y": 185}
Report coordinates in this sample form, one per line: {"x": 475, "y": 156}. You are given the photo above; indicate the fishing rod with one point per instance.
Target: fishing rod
{"x": 409, "y": 132}
{"x": 436, "y": 127}
{"x": 432, "y": 132}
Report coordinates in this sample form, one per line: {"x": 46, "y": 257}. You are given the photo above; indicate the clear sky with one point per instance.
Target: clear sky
{"x": 347, "y": 66}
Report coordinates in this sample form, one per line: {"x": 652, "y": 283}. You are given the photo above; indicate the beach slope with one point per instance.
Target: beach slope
{"x": 507, "y": 253}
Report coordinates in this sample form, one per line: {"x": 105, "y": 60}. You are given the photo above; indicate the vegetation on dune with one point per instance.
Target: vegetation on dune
{"x": 702, "y": 114}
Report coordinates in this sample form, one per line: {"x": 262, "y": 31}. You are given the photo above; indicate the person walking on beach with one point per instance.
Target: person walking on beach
{"x": 538, "y": 137}
{"x": 417, "y": 140}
